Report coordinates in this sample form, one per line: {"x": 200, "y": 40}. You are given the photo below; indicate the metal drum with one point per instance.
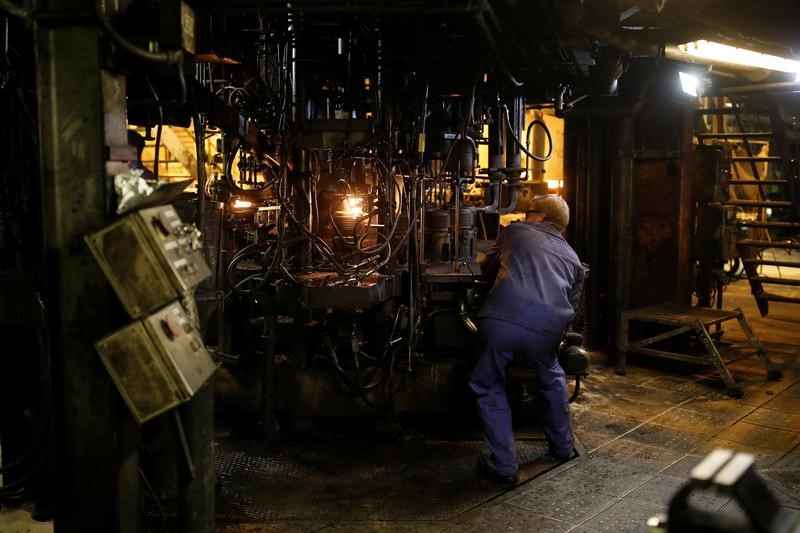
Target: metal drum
{"x": 437, "y": 235}
{"x": 467, "y": 232}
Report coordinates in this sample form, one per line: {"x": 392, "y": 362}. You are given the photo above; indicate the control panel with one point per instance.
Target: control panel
{"x": 156, "y": 363}
{"x": 716, "y": 232}
{"x": 177, "y": 245}
{"x": 150, "y": 257}
{"x": 183, "y": 346}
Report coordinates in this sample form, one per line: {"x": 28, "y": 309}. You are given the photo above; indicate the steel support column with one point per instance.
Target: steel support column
{"x": 96, "y": 441}
{"x": 621, "y": 221}
{"x": 196, "y": 490}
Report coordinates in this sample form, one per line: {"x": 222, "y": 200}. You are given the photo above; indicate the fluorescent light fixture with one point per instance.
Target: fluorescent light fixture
{"x": 689, "y": 83}
{"x": 723, "y": 53}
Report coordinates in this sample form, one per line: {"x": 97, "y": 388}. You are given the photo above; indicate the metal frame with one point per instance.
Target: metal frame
{"x": 686, "y": 319}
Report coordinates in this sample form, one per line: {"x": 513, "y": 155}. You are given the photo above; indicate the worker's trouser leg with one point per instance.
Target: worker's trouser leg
{"x": 499, "y": 340}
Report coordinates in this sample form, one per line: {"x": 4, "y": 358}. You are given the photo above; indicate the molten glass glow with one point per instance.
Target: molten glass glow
{"x": 242, "y": 204}
{"x": 711, "y": 51}
{"x": 353, "y": 207}
{"x": 555, "y": 184}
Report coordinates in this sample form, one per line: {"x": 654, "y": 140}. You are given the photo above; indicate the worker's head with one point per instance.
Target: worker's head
{"x": 549, "y": 208}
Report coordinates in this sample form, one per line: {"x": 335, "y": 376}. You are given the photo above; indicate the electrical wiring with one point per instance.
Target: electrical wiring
{"x": 379, "y": 248}
{"x": 314, "y": 197}
{"x": 411, "y": 227}
{"x": 519, "y": 143}
{"x": 233, "y": 92}
{"x": 364, "y": 381}
{"x": 354, "y": 239}
{"x": 265, "y": 276}
{"x": 158, "y": 57}
{"x": 546, "y": 132}
{"x": 263, "y": 188}
{"x": 350, "y": 383}
{"x": 174, "y": 57}
{"x": 316, "y": 241}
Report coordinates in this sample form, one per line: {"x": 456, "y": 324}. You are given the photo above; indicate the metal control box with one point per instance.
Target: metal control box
{"x": 711, "y": 173}
{"x": 716, "y": 232}
{"x": 156, "y": 363}
{"x": 150, "y": 258}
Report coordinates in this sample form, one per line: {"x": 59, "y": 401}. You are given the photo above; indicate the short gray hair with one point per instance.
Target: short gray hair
{"x": 555, "y": 209}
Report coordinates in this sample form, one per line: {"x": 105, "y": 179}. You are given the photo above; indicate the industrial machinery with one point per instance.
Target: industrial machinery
{"x": 352, "y": 170}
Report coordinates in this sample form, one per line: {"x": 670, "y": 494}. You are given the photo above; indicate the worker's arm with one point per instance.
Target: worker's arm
{"x": 577, "y": 288}
{"x": 491, "y": 263}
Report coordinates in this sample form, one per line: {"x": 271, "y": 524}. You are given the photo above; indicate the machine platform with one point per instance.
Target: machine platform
{"x": 683, "y": 320}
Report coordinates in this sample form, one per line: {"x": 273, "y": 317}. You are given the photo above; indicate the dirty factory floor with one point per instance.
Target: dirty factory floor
{"x": 640, "y": 434}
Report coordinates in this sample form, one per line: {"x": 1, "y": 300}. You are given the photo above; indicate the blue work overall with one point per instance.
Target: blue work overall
{"x": 499, "y": 341}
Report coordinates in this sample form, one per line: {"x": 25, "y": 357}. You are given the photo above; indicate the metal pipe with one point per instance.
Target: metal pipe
{"x": 496, "y": 191}
{"x": 268, "y": 422}
{"x": 790, "y": 86}
{"x": 513, "y": 196}
{"x": 332, "y": 8}
{"x": 462, "y": 312}
{"x": 421, "y": 208}
{"x": 621, "y": 215}
{"x": 456, "y": 225}
{"x": 514, "y": 150}
{"x": 496, "y": 138}
{"x": 201, "y": 174}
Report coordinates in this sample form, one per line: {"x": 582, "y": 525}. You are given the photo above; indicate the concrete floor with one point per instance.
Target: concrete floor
{"x": 642, "y": 433}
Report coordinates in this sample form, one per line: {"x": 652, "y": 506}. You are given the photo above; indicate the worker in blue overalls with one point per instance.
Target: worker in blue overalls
{"x": 537, "y": 285}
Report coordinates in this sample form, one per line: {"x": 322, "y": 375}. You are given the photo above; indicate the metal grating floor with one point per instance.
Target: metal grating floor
{"x": 343, "y": 479}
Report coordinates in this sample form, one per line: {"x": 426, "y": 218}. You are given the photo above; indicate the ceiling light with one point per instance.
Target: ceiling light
{"x": 709, "y": 51}
{"x": 689, "y": 83}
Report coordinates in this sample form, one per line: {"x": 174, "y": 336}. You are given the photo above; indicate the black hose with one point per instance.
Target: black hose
{"x": 174, "y": 57}
{"x": 549, "y": 138}
{"x": 519, "y": 143}
{"x": 487, "y": 32}
{"x": 158, "y": 130}
{"x": 247, "y": 251}
{"x": 361, "y": 386}
{"x": 577, "y": 389}
{"x": 235, "y": 189}
{"x": 353, "y": 385}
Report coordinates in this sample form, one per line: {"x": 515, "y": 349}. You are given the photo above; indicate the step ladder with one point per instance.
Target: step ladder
{"x": 763, "y": 186}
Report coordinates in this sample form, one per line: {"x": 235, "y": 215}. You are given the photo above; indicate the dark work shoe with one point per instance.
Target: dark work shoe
{"x": 562, "y": 457}
{"x": 504, "y": 482}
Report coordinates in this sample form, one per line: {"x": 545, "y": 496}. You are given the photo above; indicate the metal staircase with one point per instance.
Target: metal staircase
{"x": 763, "y": 187}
